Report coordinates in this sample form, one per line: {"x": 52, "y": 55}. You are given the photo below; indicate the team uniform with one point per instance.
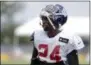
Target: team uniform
{"x": 56, "y": 49}
{"x": 59, "y": 48}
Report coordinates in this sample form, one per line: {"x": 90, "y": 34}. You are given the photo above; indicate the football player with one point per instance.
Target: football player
{"x": 51, "y": 45}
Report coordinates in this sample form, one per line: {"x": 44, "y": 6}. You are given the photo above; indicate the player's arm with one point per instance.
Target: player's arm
{"x": 72, "y": 57}
{"x": 34, "y": 59}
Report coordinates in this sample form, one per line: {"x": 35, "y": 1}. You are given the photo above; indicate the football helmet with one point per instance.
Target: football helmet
{"x": 55, "y": 14}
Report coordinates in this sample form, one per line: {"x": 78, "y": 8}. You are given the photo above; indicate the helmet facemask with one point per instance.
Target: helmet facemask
{"x": 46, "y": 19}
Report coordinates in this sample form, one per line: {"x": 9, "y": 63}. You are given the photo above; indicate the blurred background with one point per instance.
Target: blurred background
{"x": 20, "y": 19}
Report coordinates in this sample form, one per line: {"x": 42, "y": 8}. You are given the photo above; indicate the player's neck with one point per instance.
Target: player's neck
{"x": 52, "y": 33}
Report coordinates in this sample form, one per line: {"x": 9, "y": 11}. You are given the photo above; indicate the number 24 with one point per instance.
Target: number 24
{"x": 53, "y": 56}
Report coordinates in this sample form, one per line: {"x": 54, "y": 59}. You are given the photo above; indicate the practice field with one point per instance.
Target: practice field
{"x": 5, "y": 59}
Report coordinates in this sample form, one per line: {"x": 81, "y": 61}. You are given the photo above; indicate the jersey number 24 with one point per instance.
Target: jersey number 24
{"x": 53, "y": 56}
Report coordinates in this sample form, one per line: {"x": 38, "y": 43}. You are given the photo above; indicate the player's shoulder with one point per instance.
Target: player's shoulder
{"x": 36, "y": 33}
{"x": 39, "y": 31}
{"x": 71, "y": 36}
{"x": 67, "y": 34}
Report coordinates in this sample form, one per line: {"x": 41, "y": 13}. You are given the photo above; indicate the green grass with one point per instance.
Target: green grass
{"x": 27, "y": 62}
{"x": 19, "y": 61}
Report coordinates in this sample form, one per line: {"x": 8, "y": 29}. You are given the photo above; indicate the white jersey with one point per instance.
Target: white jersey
{"x": 55, "y": 49}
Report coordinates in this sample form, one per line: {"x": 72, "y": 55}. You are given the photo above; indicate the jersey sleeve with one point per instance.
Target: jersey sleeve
{"x": 78, "y": 43}
{"x": 75, "y": 43}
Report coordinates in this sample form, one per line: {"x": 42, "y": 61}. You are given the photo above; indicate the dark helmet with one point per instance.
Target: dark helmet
{"x": 56, "y": 15}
